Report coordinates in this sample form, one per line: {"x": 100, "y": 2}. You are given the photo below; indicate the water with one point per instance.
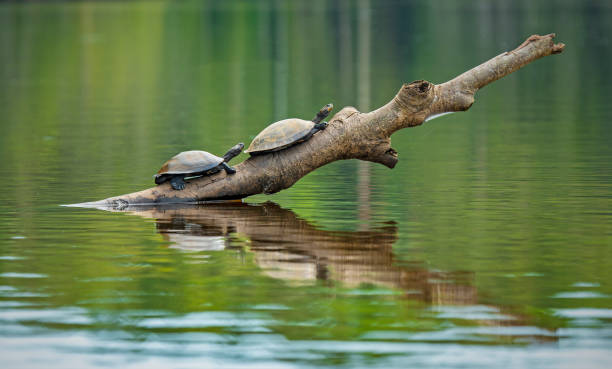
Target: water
{"x": 488, "y": 245}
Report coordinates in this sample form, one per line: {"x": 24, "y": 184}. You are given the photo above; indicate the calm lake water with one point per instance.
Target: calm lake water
{"x": 489, "y": 245}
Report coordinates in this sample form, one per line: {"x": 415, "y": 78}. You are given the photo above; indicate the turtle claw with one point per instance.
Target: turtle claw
{"x": 228, "y": 169}
{"x": 177, "y": 183}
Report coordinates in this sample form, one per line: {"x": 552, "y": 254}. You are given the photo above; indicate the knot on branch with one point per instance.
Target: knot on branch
{"x": 343, "y": 115}
{"x": 415, "y": 96}
{"x": 380, "y": 151}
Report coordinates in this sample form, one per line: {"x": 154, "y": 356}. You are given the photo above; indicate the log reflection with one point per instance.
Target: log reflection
{"x": 293, "y": 249}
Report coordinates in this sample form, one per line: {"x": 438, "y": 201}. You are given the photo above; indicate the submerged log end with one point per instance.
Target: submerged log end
{"x": 160, "y": 194}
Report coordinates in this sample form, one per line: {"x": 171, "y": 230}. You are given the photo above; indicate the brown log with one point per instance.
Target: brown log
{"x": 349, "y": 135}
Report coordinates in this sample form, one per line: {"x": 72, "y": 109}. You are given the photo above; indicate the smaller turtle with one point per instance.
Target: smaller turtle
{"x": 195, "y": 163}
{"x": 288, "y": 132}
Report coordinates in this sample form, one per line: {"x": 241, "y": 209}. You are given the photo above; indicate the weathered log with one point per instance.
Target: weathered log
{"x": 349, "y": 135}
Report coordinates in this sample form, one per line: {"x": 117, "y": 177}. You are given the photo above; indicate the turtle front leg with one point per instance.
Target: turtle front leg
{"x": 317, "y": 127}
{"x": 178, "y": 182}
{"x": 227, "y": 168}
{"x": 320, "y": 126}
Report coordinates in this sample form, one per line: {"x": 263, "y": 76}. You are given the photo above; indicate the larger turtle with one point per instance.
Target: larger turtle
{"x": 288, "y": 132}
{"x": 193, "y": 164}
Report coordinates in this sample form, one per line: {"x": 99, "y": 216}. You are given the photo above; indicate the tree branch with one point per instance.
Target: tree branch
{"x": 349, "y": 135}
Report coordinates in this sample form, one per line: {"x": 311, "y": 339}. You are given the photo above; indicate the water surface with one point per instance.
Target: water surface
{"x": 489, "y": 245}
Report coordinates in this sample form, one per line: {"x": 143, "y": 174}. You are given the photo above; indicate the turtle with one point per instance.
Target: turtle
{"x": 195, "y": 163}
{"x": 286, "y": 133}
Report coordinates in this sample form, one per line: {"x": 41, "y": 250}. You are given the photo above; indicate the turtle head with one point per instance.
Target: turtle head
{"x": 327, "y": 109}
{"x": 234, "y": 151}
{"x": 323, "y": 113}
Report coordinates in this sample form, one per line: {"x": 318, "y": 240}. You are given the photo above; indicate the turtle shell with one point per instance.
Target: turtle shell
{"x": 279, "y": 135}
{"x": 194, "y": 161}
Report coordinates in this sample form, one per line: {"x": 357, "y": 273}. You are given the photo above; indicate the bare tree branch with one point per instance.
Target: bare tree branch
{"x": 349, "y": 135}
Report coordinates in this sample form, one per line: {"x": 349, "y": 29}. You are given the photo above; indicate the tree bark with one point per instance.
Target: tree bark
{"x": 349, "y": 135}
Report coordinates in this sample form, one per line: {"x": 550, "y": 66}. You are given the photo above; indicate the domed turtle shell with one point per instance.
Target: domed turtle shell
{"x": 194, "y": 161}
{"x": 279, "y": 135}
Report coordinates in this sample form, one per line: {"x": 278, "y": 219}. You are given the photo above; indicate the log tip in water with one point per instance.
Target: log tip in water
{"x": 118, "y": 204}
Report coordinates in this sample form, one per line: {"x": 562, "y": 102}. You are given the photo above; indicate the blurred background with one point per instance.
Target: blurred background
{"x": 492, "y": 237}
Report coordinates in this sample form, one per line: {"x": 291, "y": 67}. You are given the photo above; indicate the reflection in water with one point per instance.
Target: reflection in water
{"x": 290, "y": 248}
{"x": 296, "y": 251}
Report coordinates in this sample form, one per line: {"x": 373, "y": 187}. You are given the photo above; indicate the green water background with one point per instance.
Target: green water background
{"x": 515, "y": 194}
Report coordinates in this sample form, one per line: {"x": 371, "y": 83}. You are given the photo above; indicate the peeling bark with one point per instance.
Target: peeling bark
{"x": 349, "y": 135}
